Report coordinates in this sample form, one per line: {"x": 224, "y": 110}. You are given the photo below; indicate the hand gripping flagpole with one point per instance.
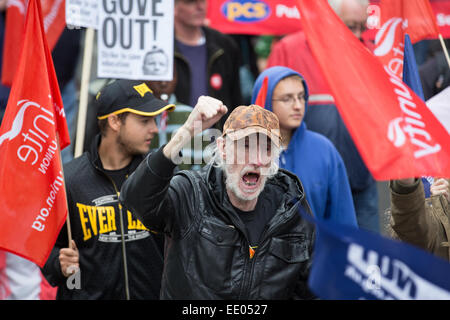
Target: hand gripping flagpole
{"x": 84, "y": 91}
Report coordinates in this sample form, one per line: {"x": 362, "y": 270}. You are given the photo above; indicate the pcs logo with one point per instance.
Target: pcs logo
{"x": 245, "y": 10}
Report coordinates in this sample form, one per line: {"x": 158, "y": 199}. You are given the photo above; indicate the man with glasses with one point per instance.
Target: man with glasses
{"x": 322, "y": 116}
{"x": 353, "y": 13}
{"x": 309, "y": 155}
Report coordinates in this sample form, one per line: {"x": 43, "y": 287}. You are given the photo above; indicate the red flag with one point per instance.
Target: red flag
{"x": 261, "y": 97}
{"x": 281, "y": 17}
{"x": 394, "y": 131}
{"x": 32, "y": 189}
{"x": 414, "y": 17}
{"x": 54, "y": 14}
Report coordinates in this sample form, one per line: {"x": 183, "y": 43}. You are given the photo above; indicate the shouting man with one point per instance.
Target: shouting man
{"x": 233, "y": 230}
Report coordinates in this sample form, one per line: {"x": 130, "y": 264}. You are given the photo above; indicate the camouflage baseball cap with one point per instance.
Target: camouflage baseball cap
{"x": 246, "y": 120}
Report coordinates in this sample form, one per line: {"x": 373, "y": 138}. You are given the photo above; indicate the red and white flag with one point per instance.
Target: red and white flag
{"x": 414, "y": 17}
{"x": 394, "y": 131}
{"x": 262, "y": 94}
{"x": 54, "y": 15}
{"x": 32, "y": 191}
{"x": 21, "y": 279}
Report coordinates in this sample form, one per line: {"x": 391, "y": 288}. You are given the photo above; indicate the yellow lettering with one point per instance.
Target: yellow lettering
{"x": 86, "y": 232}
{"x": 140, "y": 225}
{"x": 134, "y": 223}
{"x": 101, "y": 219}
{"x": 131, "y": 222}
{"x": 106, "y": 220}
{"x": 245, "y": 9}
{"x": 233, "y": 10}
{"x": 93, "y": 218}
{"x": 259, "y": 10}
{"x": 111, "y": 217}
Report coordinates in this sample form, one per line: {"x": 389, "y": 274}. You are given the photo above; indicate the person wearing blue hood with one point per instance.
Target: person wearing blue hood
{"x": 311, "y": 156}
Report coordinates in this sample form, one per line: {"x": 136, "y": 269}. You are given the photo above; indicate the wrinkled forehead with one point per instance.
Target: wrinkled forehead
{"x": 252, "y": 140}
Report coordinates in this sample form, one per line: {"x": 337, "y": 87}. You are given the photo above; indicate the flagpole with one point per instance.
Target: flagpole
{"x": 69, "y": 228}
{"x": 84, "y": 91}
{"x": 445, "y": 49}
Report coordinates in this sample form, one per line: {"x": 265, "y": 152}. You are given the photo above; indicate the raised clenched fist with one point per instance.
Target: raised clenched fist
{"x": 206, "y": 113}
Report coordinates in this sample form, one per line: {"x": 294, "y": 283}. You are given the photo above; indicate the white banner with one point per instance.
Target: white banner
{"x": 82, "y": 13}
{"x": 135, "y": 39}
{"x": 440, "y": 106}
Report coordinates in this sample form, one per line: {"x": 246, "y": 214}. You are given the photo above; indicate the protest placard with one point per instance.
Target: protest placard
{"x": 135, "y": 39}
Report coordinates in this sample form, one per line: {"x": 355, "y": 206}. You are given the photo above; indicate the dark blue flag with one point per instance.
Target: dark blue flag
{"x": 351, "y": 263}
{"x": 410, "y": 73}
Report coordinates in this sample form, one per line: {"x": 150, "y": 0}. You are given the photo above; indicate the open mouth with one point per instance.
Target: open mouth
{"x": 250, "y": 179}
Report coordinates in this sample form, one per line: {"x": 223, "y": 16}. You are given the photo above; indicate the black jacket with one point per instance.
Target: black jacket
{"x": 206, "y": 248}
{"x": 95, "y": 223}
{"x": 434, "y": 75}
{"x": 223, "y": 59}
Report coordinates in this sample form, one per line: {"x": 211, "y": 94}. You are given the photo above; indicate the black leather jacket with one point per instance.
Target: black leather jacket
{"x": 207, "y": 251}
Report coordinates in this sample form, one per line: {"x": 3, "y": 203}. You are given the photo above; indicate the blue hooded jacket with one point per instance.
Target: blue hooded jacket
{"x": 314, "y": 159}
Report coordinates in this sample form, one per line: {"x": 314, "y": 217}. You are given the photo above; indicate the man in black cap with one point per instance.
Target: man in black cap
{"x": 104, "y": 259}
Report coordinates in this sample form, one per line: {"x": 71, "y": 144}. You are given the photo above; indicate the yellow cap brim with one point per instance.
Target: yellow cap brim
{"x": 169, "y": 107}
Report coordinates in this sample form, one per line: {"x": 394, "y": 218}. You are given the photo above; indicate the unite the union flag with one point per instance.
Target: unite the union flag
{"x": 394, "y": 131}
{"x": 34, "y": 127}
{"x": 400, "y": 17}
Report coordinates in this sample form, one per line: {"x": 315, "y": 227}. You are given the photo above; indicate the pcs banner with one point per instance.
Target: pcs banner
{"x": 254, "y": 16}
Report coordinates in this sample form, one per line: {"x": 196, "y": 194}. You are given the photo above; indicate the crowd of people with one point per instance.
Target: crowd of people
{"x": 188, "y": 189}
